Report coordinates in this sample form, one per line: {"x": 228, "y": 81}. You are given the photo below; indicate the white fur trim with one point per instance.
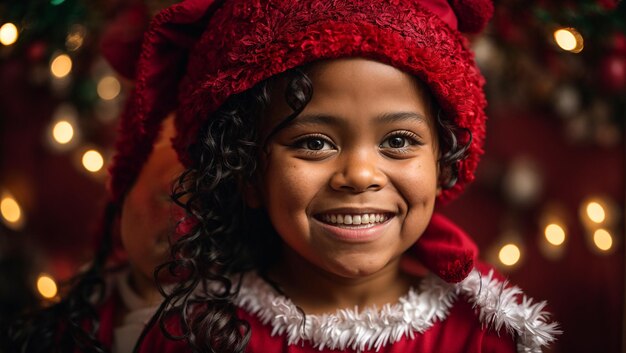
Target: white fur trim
{"x": 349, "y": 328}
{"x": 499, "y": 306}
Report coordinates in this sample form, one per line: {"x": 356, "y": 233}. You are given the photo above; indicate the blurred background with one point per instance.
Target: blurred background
{"x": 547, "y": 207}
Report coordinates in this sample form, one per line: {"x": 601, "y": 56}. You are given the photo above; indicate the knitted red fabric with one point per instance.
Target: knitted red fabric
{"x": 473, "y": 15}
{"x": 446, "y": 250}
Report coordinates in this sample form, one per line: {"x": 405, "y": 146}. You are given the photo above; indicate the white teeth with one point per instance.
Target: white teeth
{"x": 354, "y": 219}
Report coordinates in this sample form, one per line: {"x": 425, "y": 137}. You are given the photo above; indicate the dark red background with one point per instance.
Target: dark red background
{"x": 585, "y": 289}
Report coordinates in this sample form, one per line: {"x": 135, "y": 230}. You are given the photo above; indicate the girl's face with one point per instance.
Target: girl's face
{"x": 351, "y": 183}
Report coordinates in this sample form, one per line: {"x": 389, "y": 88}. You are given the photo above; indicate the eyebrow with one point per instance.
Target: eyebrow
{"x": 401, "y": 116}
{"x": 386, "y": 118}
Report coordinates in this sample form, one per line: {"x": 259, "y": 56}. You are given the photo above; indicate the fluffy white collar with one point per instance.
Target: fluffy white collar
{"x": 497, "y": 305}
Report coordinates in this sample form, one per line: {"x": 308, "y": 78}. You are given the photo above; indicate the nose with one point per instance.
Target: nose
{"x": 358, "y": 172}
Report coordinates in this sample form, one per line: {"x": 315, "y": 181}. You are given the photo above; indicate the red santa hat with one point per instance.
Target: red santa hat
{"x": 198, "y": 53}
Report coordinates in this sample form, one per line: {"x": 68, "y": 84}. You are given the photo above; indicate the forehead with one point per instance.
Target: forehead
{"x": 360, "y": 74}
{"x": 355, "y": 87}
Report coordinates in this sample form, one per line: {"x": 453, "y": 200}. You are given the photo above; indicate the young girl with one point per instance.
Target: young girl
{"x": 112, "y": 300}
{"x": 318, "y": 137}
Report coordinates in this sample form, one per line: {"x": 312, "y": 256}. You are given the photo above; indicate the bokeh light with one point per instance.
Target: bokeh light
{"x": 46, "y": 286}
{"x": 93, "y": 161}
{"x": 569, "y": 39}
{"x": 595, "y": 212}
{"x": 603, "y": 239}
{"x": 10, "y": 209}
{"x": 509, "y": 254}
{"x": 63, "y": 132}
{"x": 8, "y": 33}
{"x": 109, "y": 87}
{"x": 555, "y": 234}
{"x": 61, "y": 66}
{"x": 75, "y": 37}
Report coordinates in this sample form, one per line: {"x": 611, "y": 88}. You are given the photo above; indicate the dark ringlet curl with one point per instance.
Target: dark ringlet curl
{"x": 230, "y": 238}
{"x": 453, "y": 149}
{"x": 62, "y": 326}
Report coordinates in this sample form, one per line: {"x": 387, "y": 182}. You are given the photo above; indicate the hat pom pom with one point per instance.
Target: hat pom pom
{"x": 446, "y": 250}
{"x": 472, "y": 15}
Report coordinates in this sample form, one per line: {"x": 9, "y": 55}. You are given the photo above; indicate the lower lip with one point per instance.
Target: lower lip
{"x": 355, "y": 235}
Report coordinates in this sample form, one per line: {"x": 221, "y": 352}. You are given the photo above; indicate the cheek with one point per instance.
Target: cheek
{"x": 418, "y": 182}
{"x": 291, "y": 186}
{"x": 419, "y": 191}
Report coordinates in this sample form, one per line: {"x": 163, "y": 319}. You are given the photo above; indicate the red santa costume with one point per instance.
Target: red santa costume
{"x": 204, "y": 51}
{"x": 481, "y": 313}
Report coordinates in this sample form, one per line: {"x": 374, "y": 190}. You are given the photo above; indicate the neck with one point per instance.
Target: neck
{"x": 144, "y": 287}
{"x": 317, "y": 291}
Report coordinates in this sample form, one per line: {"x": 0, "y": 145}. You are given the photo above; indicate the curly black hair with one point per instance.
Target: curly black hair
{"x": 229, "y": 238}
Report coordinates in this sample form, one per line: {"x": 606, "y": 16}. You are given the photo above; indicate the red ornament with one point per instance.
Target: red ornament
{"x": 613, "y": 72}
{"x": 608, "y": 4}
{"x": 618, "y": 43}
{"x": 509, "y": 28}
{"x": 36, "y": 51}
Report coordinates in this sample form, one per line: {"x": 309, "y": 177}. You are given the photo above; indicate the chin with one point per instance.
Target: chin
{"x": 357, "y": 268}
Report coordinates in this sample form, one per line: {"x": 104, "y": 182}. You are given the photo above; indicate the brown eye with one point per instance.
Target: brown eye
{"x": 315, "y": 144}
{"x": 396, "y": 142}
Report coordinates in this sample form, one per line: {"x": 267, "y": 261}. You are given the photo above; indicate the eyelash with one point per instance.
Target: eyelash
{"x": 300, "y": 144}
{"x": 412, "y": 140}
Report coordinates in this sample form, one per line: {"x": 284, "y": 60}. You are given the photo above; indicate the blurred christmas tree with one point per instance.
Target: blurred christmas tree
{"x": 564, "y": 57}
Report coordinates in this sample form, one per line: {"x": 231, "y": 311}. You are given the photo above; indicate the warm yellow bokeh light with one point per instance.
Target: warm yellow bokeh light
{"x": 8, "y": 33}
{"x": 93, "y": 161}
{"x": 61, "y": 66}
{"x": 10, "y": 209}
{"x": 603, "y": 239}
{"x": 595, "y": 212}
{"x": 109, "y": 87}
{"x": 555, "y": 234}
{"x": 63, "y": 132}
{"x": 509, "y": 254}
{"x": 75, "y": 38}
{"x": 569, "y": 39}
{"x": 46, "y": 286}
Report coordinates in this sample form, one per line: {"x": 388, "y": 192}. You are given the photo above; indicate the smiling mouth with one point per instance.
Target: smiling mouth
{"x": 354, "y": 220}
